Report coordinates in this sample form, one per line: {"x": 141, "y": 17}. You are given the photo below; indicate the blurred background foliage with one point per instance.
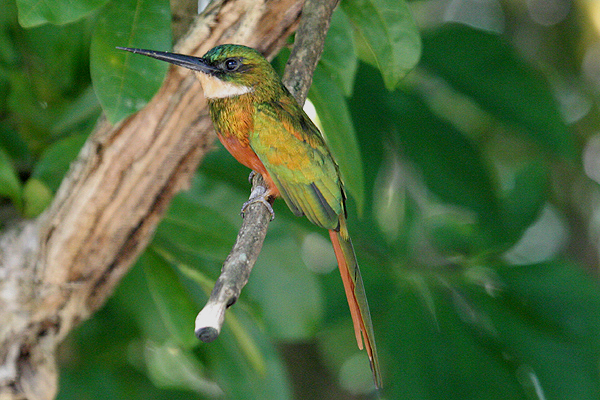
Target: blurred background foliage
{"x": 474, "y": 205}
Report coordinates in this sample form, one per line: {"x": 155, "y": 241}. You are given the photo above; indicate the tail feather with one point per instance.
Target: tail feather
{"x": 355, "y": 293}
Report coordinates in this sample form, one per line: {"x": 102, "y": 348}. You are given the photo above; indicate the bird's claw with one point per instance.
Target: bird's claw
{"x": 259, "y": 195}
{"x": 251, "y": 176}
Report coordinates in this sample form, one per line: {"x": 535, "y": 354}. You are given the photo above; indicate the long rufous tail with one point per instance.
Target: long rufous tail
{"x": 355, "y": 293}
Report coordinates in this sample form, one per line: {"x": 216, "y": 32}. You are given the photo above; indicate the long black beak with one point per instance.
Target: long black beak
{"x": 193, "y": 63}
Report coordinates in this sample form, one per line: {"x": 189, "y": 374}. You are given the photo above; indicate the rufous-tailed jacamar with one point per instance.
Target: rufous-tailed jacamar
{"x": 264, "y": 128}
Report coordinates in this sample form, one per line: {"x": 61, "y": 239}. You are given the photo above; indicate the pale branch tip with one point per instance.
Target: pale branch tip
{"x": 309, "y": 42}
{"x": 236, "y": 268}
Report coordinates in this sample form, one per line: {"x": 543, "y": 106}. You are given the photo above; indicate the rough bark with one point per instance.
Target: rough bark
{"x": 308, "y": 46}
{"x": 57, "y": 270}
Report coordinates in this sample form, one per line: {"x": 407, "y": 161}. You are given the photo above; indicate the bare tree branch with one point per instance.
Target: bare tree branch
{"x": 59, "y": 269}
{"x": 308, "y": 47}
{"x": 237, "y": 267}
{"x": 310, "y": 38}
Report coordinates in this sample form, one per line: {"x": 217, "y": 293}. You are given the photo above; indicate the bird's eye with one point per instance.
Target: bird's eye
{"x": 231, "y": 64}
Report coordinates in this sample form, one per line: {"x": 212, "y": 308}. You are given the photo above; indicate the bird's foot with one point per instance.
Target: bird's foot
{"x": 259, "y": 195}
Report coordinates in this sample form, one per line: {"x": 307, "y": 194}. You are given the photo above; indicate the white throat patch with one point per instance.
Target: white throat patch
{"x": 217, "y": 89}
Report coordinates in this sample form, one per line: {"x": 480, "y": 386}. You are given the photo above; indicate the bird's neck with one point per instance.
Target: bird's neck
{"x": 233, "y": 116}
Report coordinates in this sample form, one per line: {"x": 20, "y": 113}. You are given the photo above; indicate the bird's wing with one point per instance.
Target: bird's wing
{"x": 298, "y": 161}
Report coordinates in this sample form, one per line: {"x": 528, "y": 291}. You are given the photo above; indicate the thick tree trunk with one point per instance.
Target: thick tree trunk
{"x": 57, "y": 270}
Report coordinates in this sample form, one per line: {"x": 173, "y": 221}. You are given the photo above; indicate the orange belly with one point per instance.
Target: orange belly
{"x": 246, "y": 156}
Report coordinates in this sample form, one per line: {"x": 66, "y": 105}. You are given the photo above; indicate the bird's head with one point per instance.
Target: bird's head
{"x": 227, "y": 70}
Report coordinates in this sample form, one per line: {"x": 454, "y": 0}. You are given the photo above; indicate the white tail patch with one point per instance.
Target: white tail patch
{"x": 215, "y": 88}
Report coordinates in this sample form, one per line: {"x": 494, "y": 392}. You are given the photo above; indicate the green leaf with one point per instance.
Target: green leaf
{"x": 30, "y": 107}
{"x": 339, "y": 58}
{"x": 10, "y": 185}
{"x": 56, "y": 159}
{"x": 125, "y": 82}
{"x": 246, "y": 342}
{"x": 8, "y": 53}
{"x": 108, "y": 352}
{"x": 485, "y": 67}
{"x": 12, "y": 142}
{"x": 56, "y": 72}
{"x": 287, "y": 292}
{"x": 558, "y": 297}
{"x": 37, "y": 12}
{"x": 548, "y": 326}
{"x": 386, "y": 35}
{"x": 451, "y": 165}
{"x": 133, "y": 296}
{"x": 525, "y": 200}
{"x": 338, "y": 129}
{"x": 189, "y": 231}
{"x": 62, "y": 53}
{"x": 499, "y": 333}
{"x": 174, "y": 368}
{"x": 176, "y": 309}
{"x": 239, "y": 379}
{"x": 79, "y": 112}
{"x": 452, "y": 232}
{"x": 36, "y": 197}
{"x": 8, "y": 16}
{"x": 401, "y": 124}
{"x": 442, "y": 359}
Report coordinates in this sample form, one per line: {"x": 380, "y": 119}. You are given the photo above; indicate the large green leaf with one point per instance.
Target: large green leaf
{"x": 36, "y": 100}
{"x": 554, "y": 327}
{"x": 9, "y": 56}
{"x": 172, "y": 367}
{"x": 10, "y": 185}
{"x": 386, "y": 35}
{"x": 62, "y": 53}
{"x": 189, "y": 231}
{"x": 125, "y": 82}
{"x": 9, "y": 13}
{"x": 286, "y": 291}
{"x": 56, "y": 159}
{"x": 31, "y": 109}
{"x": 78, "y": 113}
{"x": 339, "y": 131}
{"x": 14, "y": 145}
{"x": 485, "y": 67}
{"x": 451, "y": 165}
{"x": 37, "y": 12}
{"x": 523, "y": 203}
{"x": 339, "y": 58}
{"x": 176, "y": 309}
{"x": 238, "y": 378}
{"x": 432, "y": 354}
{"x": 109, "y": 352}
{"x": 493, "y": 333}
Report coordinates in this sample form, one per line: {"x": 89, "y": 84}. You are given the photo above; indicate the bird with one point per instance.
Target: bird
{"x": 264, "y": 128}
